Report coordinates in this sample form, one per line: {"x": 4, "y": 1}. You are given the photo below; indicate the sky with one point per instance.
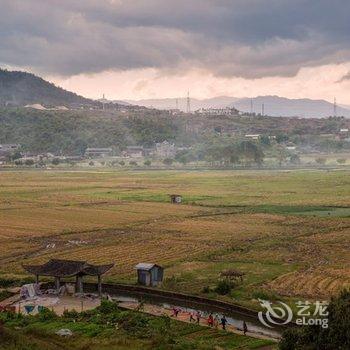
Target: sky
{"x": 137, "y": 49}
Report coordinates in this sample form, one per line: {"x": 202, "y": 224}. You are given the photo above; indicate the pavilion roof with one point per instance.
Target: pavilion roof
{"x": 67, "y": 268}
{"x": 232, "y": 273}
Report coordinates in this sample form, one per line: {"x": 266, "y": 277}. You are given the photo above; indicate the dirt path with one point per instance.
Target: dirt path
{"x": 185, "y": 317}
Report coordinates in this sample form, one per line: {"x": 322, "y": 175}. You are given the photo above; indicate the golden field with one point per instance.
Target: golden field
{"x": 288, "y": 231}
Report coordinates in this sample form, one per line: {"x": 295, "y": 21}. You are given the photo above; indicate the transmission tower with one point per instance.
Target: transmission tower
{"x": 251, "y": 106}
{"x": 335, "y": 107}
{"x": 188, "y": 107}
{"x": 263, "y": 109}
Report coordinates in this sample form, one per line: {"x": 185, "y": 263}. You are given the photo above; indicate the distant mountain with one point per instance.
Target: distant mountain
{"x": 281, "y": 106}
{"x": 273, "y": 105}
{"x": 21, "y": 89}
{"x": 181, "y": 103}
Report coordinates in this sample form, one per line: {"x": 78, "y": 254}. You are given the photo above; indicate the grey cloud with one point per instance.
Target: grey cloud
{"x": 248, "y": 38}
{"x": 346, "y": 77}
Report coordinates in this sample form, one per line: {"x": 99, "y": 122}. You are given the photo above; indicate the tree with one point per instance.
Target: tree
{"x": 282, "y": 138}
{"x": 341, "y": 161}
{"x": 250, "y": 152}
{"x": 321, "y": 161}
{"x": 336, "y": 336}
{"x": 295, "y": 159}
{"x": 29, "y": 162}
{"x": 147, "y": 162}
{"x": 168, "y": 161}
{"x": 281, "y": 154}
{"x": 55, "y": 161}
{"x": 264, "y": 140}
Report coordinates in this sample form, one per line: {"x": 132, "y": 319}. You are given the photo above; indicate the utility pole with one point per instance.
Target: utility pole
{"x": 188, "y": 108}
{"x": 251, "y": 106}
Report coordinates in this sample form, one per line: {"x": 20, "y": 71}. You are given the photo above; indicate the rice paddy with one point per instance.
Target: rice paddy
{"x": 288, "y": 231}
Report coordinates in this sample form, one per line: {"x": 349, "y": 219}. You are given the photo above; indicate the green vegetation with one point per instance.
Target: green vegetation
{"x": 336, "y": 336}
{"x": 282, "y": 140}
{"x": 21, "y": 88}
{"x": 109, "y": 327}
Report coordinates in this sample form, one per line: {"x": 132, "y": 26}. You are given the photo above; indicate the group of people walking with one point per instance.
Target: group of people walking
{"x": 212, "y": 321}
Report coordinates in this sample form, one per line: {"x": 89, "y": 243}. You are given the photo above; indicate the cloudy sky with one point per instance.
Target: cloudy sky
{"x": 162, "y": 48}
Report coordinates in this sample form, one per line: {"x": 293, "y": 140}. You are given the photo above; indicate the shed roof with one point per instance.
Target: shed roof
{"x": 67, "y": 268}
{"x": 145, "y": 266}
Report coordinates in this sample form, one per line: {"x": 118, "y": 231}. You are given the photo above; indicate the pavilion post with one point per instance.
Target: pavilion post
{"x": 57, "y": 284}
{"x": 99, "y": 285}
{"x": 79, "y": 283}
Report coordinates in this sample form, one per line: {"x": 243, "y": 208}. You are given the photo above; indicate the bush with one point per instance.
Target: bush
{"x": 122, "y": 163}
{"x": 46, "y": 315}
{"x": 206, "y": 290}
{"x": 224, "y": 287}
{"x": 14, "y": 282}
{"x": 321, "y": 161}
{"x": 55, "y": 161}
{"x": 336, "y": 336}
{"x": 168, "y": 161}
{"x": 133, "y": 163}
{"x": 4, "y": 294}
{"x": 29, "y": 162}
{"x": 108, "y": 307}
{"x": 147, "y": 162}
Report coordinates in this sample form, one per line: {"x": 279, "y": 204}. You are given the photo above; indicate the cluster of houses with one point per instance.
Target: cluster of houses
{"x": 161, "y": 150}
{"x": 8, "y": 150}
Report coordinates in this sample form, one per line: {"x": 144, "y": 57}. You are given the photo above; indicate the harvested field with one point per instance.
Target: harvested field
{"x": 288, "y": 231}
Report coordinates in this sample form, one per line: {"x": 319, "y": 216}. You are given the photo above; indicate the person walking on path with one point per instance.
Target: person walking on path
{"x": 210, "y": 320}
{"x": 223, "y": 322}
{"x": 198, "y": 317}
{"x": 216, "y": 321}
{"x": 245, "y": 328}
{"x": 192, "y": 317}
{"x": 175, "y": 311}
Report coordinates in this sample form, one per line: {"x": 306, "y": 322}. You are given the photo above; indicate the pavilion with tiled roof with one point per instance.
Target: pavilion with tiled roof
{"x": 69, "y": 268}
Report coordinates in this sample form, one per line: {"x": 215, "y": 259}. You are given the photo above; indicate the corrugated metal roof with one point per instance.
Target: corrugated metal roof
{"x": 144, "y": 266}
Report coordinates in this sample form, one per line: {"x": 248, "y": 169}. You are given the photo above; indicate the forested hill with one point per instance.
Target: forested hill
{"x": 21, "y": 88}
{"x": 72, "y": 131}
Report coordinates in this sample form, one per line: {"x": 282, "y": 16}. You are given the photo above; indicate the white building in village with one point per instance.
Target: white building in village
{"x": 165, "y": 149}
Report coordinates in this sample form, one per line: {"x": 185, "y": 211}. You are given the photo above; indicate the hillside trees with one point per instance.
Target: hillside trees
{"x": 336, "y": 336}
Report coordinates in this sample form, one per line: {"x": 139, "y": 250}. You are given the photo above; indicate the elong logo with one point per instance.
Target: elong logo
{"x": 282, "y": 314}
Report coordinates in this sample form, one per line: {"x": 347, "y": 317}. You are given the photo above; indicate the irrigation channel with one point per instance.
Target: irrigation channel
{"x": 235, "y": 314}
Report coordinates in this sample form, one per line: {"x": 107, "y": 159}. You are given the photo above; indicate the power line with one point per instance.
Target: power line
{"x": 188, "y": 108}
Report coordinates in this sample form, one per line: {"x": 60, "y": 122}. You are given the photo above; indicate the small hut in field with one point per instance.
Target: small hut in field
{"x": 149, "y": 274}
{"x": 175, "y": 198}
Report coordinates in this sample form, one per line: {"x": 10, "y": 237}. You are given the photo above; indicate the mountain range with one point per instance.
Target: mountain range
{"x": 273, "y": 105}
{"x": 21, "y": 89}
